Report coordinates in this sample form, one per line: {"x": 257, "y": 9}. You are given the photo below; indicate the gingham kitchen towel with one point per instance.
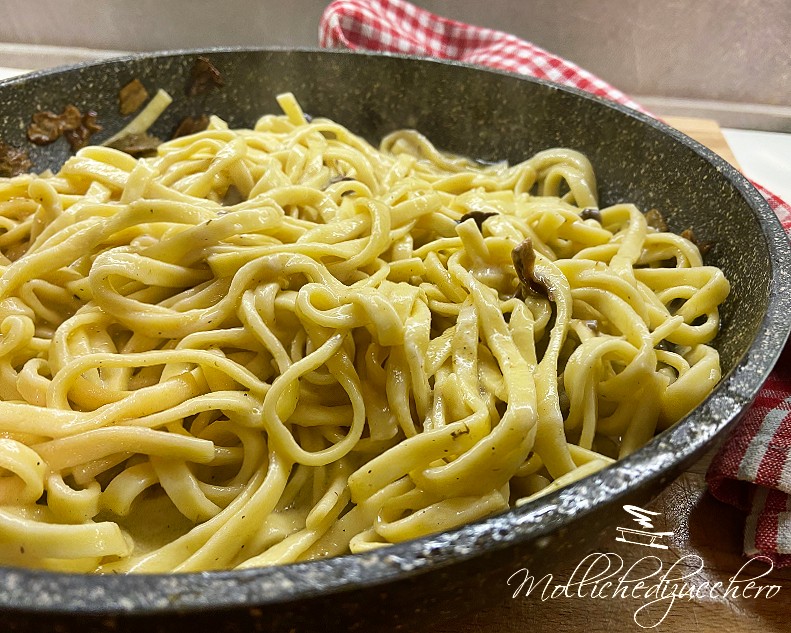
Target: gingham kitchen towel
{"x": 753, "y": 468}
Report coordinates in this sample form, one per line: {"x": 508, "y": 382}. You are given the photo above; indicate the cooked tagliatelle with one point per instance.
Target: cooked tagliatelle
{"x": 274, "y": 345}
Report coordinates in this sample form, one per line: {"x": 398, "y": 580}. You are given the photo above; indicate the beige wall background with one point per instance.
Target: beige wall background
{"x": 725, "y": 58}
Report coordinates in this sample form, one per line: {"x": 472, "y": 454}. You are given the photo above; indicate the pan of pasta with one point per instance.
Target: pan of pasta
{"x": 288, "y": 336}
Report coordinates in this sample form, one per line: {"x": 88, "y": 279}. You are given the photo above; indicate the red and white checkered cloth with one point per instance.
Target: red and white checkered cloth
{"x": 753, "y": 468}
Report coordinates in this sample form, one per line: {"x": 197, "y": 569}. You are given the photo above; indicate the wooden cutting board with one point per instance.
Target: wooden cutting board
{"x": 700, "y": 526}
{"x": 706, "y": 132}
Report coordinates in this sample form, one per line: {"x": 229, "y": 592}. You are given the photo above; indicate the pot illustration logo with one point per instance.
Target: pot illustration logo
{"x": 647, "y": 536}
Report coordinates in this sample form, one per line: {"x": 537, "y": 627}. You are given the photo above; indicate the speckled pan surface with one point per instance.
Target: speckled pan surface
{"x": 487, "y": 115}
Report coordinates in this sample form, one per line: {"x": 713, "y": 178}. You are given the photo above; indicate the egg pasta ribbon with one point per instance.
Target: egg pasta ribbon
{"x": 277, "y": 344}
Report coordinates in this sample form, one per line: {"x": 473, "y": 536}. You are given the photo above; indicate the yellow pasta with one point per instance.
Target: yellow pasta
{"x": 273, "y": 345}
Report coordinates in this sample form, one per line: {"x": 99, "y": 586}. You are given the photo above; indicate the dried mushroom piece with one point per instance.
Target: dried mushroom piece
{"x": 479, "y": 217}
{"x": 47, "y": 127}
{"x": 78, "y": 137}
{"x": 13, "y": 161}
{"x": 703, "y": 247}
{"x": 524, "y": 258}
{"x": 204, "y": 77}
{"x": 191, "y": 125}
{"x": 137, "y": 145}
{"x": 655, "y": 220}
{"x": 131, "y": 97}
{"x": 591, "y": 213}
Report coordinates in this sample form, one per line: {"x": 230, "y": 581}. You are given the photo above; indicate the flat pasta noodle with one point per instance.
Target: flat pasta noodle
{"x": 279, "y": 344}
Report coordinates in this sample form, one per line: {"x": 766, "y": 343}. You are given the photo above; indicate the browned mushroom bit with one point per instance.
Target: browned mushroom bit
{"x": 191, "y": 125}
{"x": 131, "y": 97}
{"x": 78, "y": 137}
{"x": 591, "y": 213}
{"x": 47, "y": 127}
{"x": 204, "y": 77}
{"x": 479, "y": 217}
{"x": 13, "y": 161}
{"x": 137, "y": 145}
{"x": 703, "y": 247}
{"x": 524, "y": 258}
{"x": 655, "y": 220}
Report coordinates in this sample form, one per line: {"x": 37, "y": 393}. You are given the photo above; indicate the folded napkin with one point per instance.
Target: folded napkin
{"x": 752, "y": 470}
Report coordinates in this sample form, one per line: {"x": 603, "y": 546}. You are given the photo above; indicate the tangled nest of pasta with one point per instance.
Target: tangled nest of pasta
{"x": 273, "y": 345}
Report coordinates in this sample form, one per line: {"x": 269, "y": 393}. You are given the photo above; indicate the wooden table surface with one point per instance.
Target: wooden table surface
{"x": 700, "y": 525}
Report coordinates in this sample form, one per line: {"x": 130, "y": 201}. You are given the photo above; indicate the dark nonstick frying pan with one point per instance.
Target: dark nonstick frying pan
{"x": 486, "y": 115}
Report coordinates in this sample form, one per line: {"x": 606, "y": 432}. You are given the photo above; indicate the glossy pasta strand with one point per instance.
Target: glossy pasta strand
{"x": 277, "y": 344}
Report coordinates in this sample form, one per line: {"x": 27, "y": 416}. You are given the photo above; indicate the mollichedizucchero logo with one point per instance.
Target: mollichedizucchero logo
{"x": 654, "y": 581}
